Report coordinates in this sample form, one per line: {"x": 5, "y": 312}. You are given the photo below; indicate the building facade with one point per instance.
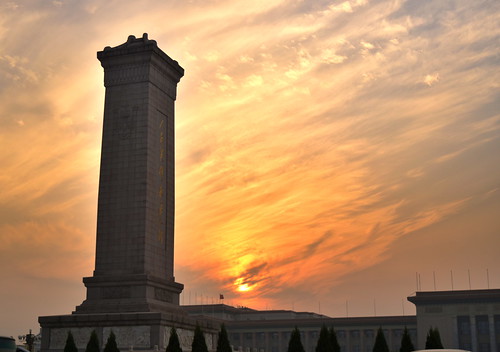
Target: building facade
{"x": 269, "y": 331}
{"x": 468, "y": 320}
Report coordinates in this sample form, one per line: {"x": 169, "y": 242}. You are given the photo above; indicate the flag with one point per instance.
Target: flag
{"x": 221, "y": 296}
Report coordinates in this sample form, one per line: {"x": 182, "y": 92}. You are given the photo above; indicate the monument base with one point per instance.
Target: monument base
{"x": 130, "y": 293}
{"x": 149, "y": 331}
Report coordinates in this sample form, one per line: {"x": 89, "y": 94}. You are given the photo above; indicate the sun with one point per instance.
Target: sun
{"x": 243, "y": 288}
{"x": 241, "y": 285}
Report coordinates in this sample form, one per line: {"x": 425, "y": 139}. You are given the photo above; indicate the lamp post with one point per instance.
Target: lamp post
{"x": 29, "y": 340}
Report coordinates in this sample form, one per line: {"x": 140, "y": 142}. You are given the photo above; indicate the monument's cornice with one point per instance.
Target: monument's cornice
{"x": 133, "y": 48}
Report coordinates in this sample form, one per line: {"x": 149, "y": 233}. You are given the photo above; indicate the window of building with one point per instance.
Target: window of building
{"x": 463, "y": 325}
{"x": 466, "y": 346}
{"x": 341, "y": 334}
{"x": 497, "y": 324}
{"x": 482, "y": 325}
{"x": 397, "y": 332}
{"x": 369, "y": 333}
{"x": 355, "y": 348}
{"x": 354, "y": 334}
{"x": 484, "y": 347}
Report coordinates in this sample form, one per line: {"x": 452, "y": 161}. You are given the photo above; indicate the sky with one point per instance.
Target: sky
{"x": 331, "y": 156}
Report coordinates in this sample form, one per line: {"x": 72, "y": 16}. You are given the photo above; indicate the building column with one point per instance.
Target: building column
{"x": 491, "y": 326}
{"x": 347, "y": 340}
{"x": 454, "y": 335}
{"x": 362, "y": 340}
{"x": 306, "y": 340}
{"x": 389, "y": 337}
{"x": 473, "y": 333}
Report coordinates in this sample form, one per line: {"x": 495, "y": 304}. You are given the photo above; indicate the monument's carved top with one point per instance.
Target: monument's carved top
{"x": 135, "y": 45}
{"x": 133, "y": 41}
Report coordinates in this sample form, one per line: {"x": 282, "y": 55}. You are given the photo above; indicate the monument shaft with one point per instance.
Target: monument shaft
{"x": 135, "y": 217}
{"x": 135, "y": 224}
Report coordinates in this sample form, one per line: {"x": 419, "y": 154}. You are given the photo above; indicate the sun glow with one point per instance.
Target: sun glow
{"x": 242, "y": 286}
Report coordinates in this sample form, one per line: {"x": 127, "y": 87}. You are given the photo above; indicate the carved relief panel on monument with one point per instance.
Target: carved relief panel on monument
{"x": 124, "y": 120}
{"x": 131, "y": 336}
{"x": 115, "y": 292}
{"x": 163, "y": 295}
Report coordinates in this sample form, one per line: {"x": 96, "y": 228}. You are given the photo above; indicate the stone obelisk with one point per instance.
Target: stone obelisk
{"x": 134, "y": 268}
{"x": 133, "y": 290}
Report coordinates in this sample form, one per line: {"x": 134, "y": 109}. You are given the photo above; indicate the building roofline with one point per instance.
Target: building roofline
{"x": 459, "y": 296}
{"x": 334, "y": 322}
{"x": 244, "y": 310}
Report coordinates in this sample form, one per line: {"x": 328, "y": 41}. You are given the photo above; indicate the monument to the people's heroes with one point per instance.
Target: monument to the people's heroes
{"x": 133, "y": 290}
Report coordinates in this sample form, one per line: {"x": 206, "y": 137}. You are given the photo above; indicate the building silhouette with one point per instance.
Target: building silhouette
{"x": 468, "y": 320}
